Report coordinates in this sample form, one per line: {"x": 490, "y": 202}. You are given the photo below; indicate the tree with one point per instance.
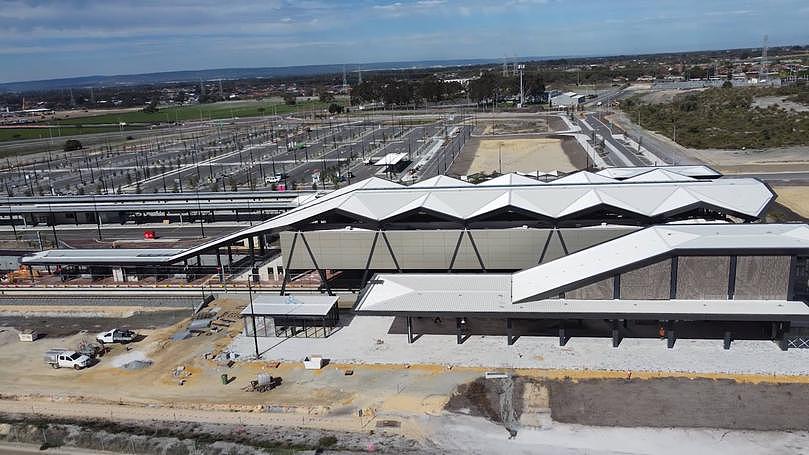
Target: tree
{"x": 325, "y": 96}
{"x": 727, "y": 84}
{"x": 431, "y": 89}
{"x": 290, "y": 99}
{"x": 534, "y": 85}
{"x": 335, "y": 108}
{"x": 151, "y": 108}
{"x": 72, "y": 144}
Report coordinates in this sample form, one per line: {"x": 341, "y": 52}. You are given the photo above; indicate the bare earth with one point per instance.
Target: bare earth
{"x": 796, "y": 198}
{"x": 412, "y": 396}
{"x": 520, "y": 155}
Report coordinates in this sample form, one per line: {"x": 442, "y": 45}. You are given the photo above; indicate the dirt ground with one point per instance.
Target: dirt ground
{"x": 390, "y": 399}
{"x": 665, "y": 96}
{"x": 765, "y": 102}
{"x": 519, "y": 154}
{"x": 513, "y": 126}
{"x": 796, "y": 198}
{"x": 680, "y": 402}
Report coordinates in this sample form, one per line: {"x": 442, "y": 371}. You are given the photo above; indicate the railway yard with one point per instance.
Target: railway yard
{"x": 216, "y": 188}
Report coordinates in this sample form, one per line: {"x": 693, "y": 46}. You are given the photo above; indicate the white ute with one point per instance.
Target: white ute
{"x": 116, "y": 336}
{"x": 63, "y": 358}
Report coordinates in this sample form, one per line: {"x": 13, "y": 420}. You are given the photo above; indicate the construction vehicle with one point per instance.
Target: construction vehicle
{"x": 20, "y": 275}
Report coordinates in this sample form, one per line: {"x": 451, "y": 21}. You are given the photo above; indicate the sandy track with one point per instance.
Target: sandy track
{"x": 72, "y": 409}
{"x": 518, "y": 155}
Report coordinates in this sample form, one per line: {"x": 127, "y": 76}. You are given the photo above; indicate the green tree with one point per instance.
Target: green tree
{"x": 325, "y": 96}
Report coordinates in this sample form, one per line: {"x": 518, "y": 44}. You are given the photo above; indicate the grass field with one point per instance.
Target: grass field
{"x": 197, "y": 112}
{"x": 17, "y": 134}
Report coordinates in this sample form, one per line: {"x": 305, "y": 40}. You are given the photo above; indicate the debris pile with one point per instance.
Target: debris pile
{"x": 133, "y": 360}
{"x": 181, "y": 374}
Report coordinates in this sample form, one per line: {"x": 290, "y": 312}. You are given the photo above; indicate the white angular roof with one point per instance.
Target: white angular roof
{"x": 649, "y": 243}
{"x": 582, "y": 177}
{"x": 441, "y": 181}
{"x": 660, "y": 175}
{"x": 510, "y": 179}
{"x": 529, "y": 290}
{"x": 696, "y": 171}
{"x": 489, "y": 294}
{"x": 377, "y": 199}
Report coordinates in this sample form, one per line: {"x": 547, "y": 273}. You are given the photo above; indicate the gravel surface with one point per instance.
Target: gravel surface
{"x": 359, "y": 343}
{"x": 66, "y": 325}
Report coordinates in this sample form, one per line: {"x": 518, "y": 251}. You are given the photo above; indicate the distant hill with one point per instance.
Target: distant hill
{"x": 226, "y": 73}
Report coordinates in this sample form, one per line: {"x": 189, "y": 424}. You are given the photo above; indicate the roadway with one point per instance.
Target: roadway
{"x": 616, "y": 152}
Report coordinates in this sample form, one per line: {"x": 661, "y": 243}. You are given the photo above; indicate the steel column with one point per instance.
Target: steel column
{"x": 477, "y": 253}
{"x": 368, "y": 262}
{"x": 390, "y": 250}
{"x": 322, "y": 273}
{"x": 289, "y": 262}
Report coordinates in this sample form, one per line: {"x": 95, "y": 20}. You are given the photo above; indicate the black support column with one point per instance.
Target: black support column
{"x": 616, "y": 333}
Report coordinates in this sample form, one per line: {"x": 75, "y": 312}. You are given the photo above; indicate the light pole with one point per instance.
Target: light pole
{"x": 500, "y": 157}
{"x": 253, "y": 311}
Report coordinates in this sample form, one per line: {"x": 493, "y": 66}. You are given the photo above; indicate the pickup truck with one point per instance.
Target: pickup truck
{"x": 116, "y": 336}
{"x": 63, "y": 358}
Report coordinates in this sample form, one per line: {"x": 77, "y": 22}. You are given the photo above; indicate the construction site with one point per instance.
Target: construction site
{"x": 485, "y": 281}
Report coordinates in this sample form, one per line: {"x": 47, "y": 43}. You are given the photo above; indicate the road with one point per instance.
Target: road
{"x": 617, "y": 152}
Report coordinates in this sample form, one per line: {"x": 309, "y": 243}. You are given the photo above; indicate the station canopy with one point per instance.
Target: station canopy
{"x": 534, "y": 291}
{"x": 291, "y": 305}
{"x": 378, "y": 200}
{"x": 375, "y": 199}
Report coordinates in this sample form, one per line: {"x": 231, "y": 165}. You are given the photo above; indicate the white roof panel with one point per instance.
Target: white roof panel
{"x": 696, "y": 171}
{"x": 378, "y": 199}
{"x": 660, "y": 175}
{"x": 489, "y": 293}
{"x": 291, "y": 305}
{"x": 511, "y": 180}
{"x": 582, "y": 177}
{"x": 390, "y": 159}
{"x": 649, "y": 243}
{"x": 441, "y": 181}
{"x": 523, "y": 291}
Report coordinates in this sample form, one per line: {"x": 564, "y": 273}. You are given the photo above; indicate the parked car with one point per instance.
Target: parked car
{"x": 63, "y": 358}
{"x": 116, "y": 336}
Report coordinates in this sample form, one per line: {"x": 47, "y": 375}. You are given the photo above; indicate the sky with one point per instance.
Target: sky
{"x": 44, "y": 39}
